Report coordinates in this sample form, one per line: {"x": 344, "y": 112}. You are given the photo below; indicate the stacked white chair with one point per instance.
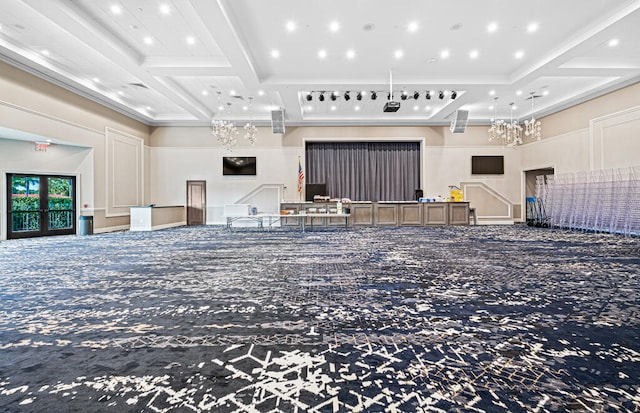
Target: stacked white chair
{"x": 603, "y": 200}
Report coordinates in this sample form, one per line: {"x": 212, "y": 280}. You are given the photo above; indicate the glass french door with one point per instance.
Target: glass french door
{"x": 40, "y": 205}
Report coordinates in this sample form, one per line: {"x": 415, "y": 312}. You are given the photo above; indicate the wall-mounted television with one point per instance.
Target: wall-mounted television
{"x": 487, "y": 165}
{"x": 239, "y": 165}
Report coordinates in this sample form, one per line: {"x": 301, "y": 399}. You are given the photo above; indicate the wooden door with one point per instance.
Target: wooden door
{"x": 196, "y": 202}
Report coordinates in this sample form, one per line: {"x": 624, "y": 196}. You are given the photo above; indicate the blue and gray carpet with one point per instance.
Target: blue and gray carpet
{"x": 201, "y": 319}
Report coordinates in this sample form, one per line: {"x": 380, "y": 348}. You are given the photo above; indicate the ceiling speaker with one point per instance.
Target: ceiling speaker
{"x": 459, "y": 122}
{"x": 277, "y": 121}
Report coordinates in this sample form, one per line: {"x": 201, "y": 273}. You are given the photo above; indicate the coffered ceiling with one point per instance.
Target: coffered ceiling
{"x": 185, "y": 62}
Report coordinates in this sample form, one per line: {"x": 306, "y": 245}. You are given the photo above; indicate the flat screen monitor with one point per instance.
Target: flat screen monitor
{"x": 314, "y": 189}
{"x": 487, "y": 165}
{"x": 239, "y": 165}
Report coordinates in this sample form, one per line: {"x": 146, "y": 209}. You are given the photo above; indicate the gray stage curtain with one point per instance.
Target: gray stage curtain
{"x": 365, "y": 171}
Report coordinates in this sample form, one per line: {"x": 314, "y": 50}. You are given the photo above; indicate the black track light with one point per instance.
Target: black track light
{"x": 428, "y": 95}
{"x": 403, "y": 96}
{"x": 389, "y": 96}
{"x": 441, "y": 95}
{"x": 374, "y": 96}
{"x": 309, "y": 97}
{"x": 347, "y": 96}
{"x": 321, "y": 98}
{"x": 454, "y": 94}
{"x": 416, "y": 95}
{"x": 334, "y": 95}
{"x": 359, "y": 96}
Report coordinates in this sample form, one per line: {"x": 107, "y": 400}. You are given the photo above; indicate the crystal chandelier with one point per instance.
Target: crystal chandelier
{"x": 533, "y": 127}
{"x": 509, "y": 133}
{"x": 227, "y": 133}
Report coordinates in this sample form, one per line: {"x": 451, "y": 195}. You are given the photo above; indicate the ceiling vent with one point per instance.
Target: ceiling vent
{"x": 139, "y": 85}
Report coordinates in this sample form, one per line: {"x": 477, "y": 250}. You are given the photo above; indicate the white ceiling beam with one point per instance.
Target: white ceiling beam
{"x": 227, "y": 37}
{"x": 69, "y": 17}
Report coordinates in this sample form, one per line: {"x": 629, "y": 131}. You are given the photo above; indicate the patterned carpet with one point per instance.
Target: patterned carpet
{"x": 199, "y": 319}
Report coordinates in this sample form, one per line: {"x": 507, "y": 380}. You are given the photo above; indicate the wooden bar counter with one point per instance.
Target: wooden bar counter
{"x": 390, "y": 213}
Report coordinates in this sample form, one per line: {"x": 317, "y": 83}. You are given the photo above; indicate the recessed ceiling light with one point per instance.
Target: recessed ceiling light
{"x": 546, "y": 92}
{"x": 205, "y": 93}
{"x": 514, "y": 107}
{"x": 356, "y": 108}
{"x": 491, "y": 107}
{"x": 116, "y": 9}
{"x": 148, "y": 40}
{"x": 148, "y": 107}
{"x": 334, "y": 26}
{"x": 398, "y": 54}
{"x": 412, "y": 27}
{"x": 309, "y": 107}
{"x": 519, "y": 54}
{"x": 191, "y": 40}
{"x": 46, "y": 52}
{"x": 532, "y": 27}
{"x": 445, "y": 54}
{"x": 333, "y": 107}
{"x": 492, "y": 92}
{"x": 220, "y": 107}
{"x": 275, "y": 53}
{"x": 351, "y": 54}
{"x": 96, "y": 80}
{"x": 261, "y": 92}
{"x": 518, "y": 92}
{"x": 427, "y": 107}
{"x": 416, "y": 107}
{"x": 613, "y": 42}
{"x": 474, "y": 54}
{"x": 492, "y": 27}
{"x": 322, "y": 54}
{"x": 120, "y": 92}
{"x": 232, "y": 92}
{"x": 245, "y": 108}
{"x": 165, "y": 9}
{"x": 291, "y": 26}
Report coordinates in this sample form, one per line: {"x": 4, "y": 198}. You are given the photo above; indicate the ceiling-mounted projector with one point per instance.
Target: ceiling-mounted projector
{"x": 391, "y": 106}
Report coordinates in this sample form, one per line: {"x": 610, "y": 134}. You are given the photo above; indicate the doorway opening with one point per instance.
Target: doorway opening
{"x": 40, "y": 205}
{"x": 531, "y": 181}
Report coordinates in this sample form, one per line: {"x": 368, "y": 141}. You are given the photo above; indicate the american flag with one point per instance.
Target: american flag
{"x": 300, "y": 176}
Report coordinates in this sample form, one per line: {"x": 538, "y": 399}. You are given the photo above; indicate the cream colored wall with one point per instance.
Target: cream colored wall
{"x": 29, "y": 104}
{"x": 190, "y": 153}
{"x": 124, "y": 161}
{"x": 578, "y": 117}
{"x": 603, "y": 133}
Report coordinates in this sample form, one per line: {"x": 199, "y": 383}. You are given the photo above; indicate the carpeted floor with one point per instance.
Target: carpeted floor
{"x": 198, "y": 319}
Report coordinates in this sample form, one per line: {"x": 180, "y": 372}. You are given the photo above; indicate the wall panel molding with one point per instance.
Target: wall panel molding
{"x": 615, "y": 136}
{"x": 124, "y": 172}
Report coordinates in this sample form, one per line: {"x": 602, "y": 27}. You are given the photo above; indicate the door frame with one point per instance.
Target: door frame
{"x": 204, "y": 197}
{"x": 44, "y": 219}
